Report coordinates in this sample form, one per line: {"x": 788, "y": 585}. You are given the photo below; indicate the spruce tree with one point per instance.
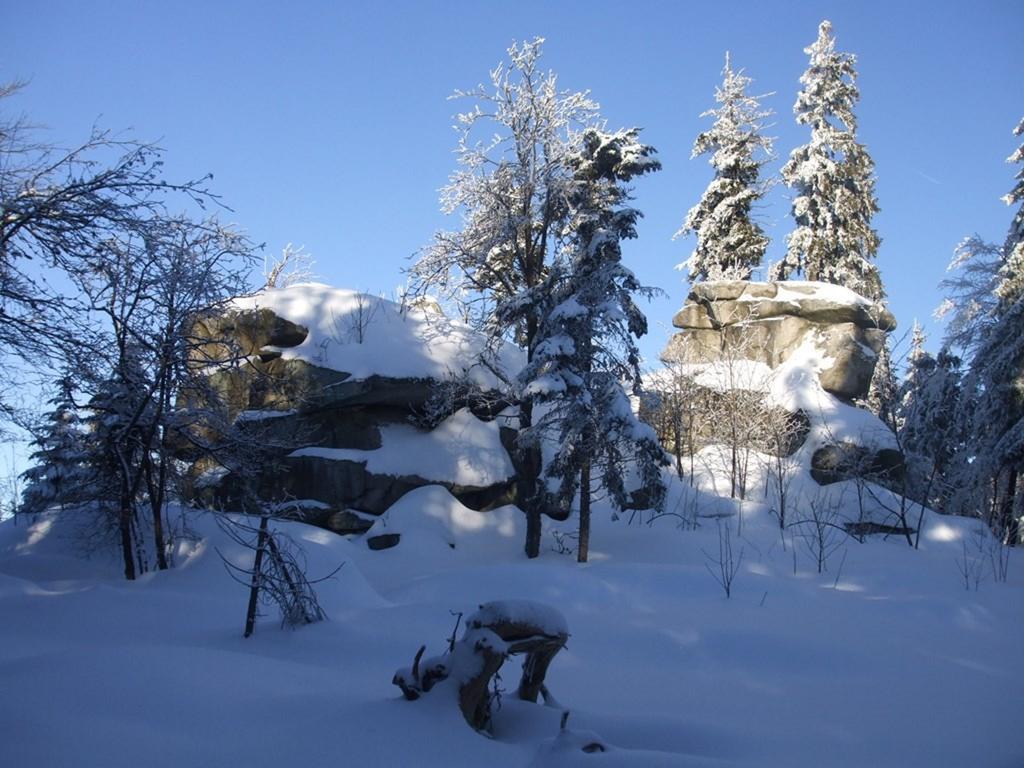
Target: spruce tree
{"x": 1011, "y": 285}
{"x": 833, "y": 179}
{"x": 730, "y": 245}
{"x": 587, "y": 348}
{"x": 883, "y": 392}
{"x": 993, "y": 402}
{"x": 928, "y": 401}
{"x": 59, "y": 475}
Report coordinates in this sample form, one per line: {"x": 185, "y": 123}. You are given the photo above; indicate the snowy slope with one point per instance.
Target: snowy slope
{"x": 883, "y": 660}
{"x": 366, "y": 335}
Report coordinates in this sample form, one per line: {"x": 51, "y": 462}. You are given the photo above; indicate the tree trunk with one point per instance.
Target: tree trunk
{"x": 583, "y": 545}
{"x": 254, "y": 588}
{"x": 155, "y": 486}
{"x": 1009, "y": 522}
{"x": 528, "y": 471}
{"x": 125, "y": 529}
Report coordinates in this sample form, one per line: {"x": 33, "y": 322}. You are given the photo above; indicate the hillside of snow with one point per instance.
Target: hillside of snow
{"x": 889, "y": 657}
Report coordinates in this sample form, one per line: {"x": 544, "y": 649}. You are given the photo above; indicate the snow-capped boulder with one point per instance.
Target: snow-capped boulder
{"x": 341, "y": 380}
{"x": 768, "y": 322}
{"x": 805, "y": 348}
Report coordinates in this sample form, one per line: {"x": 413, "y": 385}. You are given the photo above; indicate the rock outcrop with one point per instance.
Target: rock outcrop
{"x": 768, "y": 322}
{"x": 342, "y": 382}
{"x": 808, "y": 348}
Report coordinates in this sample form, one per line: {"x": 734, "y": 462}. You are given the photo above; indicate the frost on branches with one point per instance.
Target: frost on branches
{"x": 926, "y": 418}
{"x": 586, "y": 340}
{"x": 1011, "y": 286}
{"x": 59, "y": 475}
{"x": 992, "y": 412}
{"x": 833, "y": 178}
{"x": 730, "y": 245}
{"x": 511, "y": 189}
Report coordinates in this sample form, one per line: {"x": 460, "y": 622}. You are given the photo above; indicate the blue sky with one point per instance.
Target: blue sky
{"x": 328, "y": 124}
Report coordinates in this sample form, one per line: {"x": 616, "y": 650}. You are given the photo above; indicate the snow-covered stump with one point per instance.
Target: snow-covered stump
{"x": 495, "y": 632}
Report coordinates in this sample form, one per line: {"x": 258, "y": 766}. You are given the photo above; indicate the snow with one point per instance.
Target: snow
{"x": 794, "y": 386}
{"x": 801, "y": 290}
{"x": 544, "y": 617}
{"x": 461, "y": 449}
{"x": 885, "y": 660}
{"x": 366, "y": 336}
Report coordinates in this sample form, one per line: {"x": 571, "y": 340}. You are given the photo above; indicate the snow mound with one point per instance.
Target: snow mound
{"x": 430, "y": 519}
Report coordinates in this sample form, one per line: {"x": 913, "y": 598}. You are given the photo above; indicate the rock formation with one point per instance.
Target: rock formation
{"x": 810, "y": 348}
{"x": 768, "y": 322}
{"x": 350, "y": 385}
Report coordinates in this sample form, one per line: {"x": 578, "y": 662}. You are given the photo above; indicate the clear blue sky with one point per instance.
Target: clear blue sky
{"x": 327, "y": 124}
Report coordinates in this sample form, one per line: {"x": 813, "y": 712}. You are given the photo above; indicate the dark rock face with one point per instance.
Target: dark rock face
{"x": 348, "y": 484}
{"x": 767, "y": 322}
{"x": 844, "y": 461}
{"x": 383, "y": 541}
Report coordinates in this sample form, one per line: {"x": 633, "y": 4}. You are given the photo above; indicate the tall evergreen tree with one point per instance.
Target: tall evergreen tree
{"x": 59, "y": 475}
{"x": 883, "y": 392}
{"x": 993, "y": 411}
{"x": 833, "y": 179}
{"x": 730, "y": 245}
{"x": 1011, "y": 284}
{"x": 587, "y": 347}
{"x": 926, "y": 415}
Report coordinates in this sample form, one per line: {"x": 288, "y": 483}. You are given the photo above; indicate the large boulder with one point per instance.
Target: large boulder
{"x": 768, "y": 322}
{"x": 806, "y": 348}
{"x": 365, "y": 400}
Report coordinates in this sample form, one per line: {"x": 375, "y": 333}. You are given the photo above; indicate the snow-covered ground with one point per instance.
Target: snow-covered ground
{"x": 885, "y": 659}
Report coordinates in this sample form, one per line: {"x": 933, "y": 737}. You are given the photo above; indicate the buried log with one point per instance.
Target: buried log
{"x": 495, "y": 632}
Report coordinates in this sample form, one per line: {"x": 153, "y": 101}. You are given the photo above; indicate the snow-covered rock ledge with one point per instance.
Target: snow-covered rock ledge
{"x": 340, "y": 380}
{"x": 768, "y": 322}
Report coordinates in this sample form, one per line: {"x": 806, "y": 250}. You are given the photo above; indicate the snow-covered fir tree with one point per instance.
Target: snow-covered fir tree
{"x": 883, "y": 391}
{"x": 1011, "y": 283}
{"x": 926, "y": 416}
{"x": 59, "y": 475}
{"x": 993, "y": 402}
{"x": 833, "y": 179}
{"x": 969, "y": 308}
{"x": 730, "y": 244}
{"x": 120, "y": 417}
{"x": 586, "y": 346}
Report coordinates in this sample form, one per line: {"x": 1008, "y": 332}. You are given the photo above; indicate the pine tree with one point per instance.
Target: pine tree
{"x": 993, "y": 410}
{"x": 59, "y": 475}
{"x": 587, "y": 347}
{"x": 121, "y": 416}
{"x": 730, "y": 245}
{"x": 928, "y": 401}
{"x": 833, "y": 179}
{"x": 969, "y": 308}
{"x": 1011, "y": 285}
{"x": 883, "y": 392}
